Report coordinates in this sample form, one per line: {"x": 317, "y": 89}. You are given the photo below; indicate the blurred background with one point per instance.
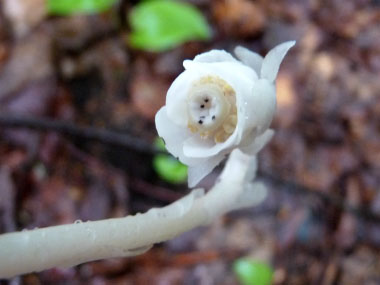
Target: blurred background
{"x": 81, "y": 81}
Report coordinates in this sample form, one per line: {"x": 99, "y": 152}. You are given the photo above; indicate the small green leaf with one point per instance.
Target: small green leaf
{"x": 159, "y": 143}
{"x": 160, "y": 25}
{"x": 167, "y": 167}
{"x": 69, "y": 7}
{"x": 252, "y": 272}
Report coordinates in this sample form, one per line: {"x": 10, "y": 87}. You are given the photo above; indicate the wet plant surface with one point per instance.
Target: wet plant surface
{"x": 320, "y": 223}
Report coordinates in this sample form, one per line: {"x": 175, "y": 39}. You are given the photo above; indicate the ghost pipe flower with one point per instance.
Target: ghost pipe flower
{"x": 218, "y": 104}
{"x": 69, "y": 245}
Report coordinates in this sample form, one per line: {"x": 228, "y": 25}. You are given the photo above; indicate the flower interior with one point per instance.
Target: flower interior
{"x": 211, "y": 106}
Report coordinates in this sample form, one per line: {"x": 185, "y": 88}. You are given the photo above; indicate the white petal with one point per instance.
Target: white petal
{"x": 258, "y": 143}
{"x": 214, "y": 55}
{"x": 174, "y": 136}
{"x": 273, "y": 59}
{"x": 197, "y": 173}
{"x": 176, "y": 102}
{"x": 250, "y": 58}
{"x": 230, "y": 71}
{"x": 242, "y": 79}
{"x": 197, "y": 147}
{"x": 260, "y": 106}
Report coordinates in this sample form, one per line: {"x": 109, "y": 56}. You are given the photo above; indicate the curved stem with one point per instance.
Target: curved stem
{"x": 69, "y": 245}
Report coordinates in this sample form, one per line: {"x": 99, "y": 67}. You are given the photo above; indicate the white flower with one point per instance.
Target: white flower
{"x": 218, "y": 104}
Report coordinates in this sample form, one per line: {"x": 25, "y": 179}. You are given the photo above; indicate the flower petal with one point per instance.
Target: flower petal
{"x": 176, "y": 97}
{"x": 260, "y": 106}
{"x": 197, "y": 147}
{"x": 224, "y": 70}
{"x": 197, "y": 173}
{"x": 258, "y": 143}
{"x": 241, "y": 78}
{"x": 176, "y": 102}
{"x": 214, "y": 55}
{"x": 272, "y": 61}
{"x": 250, "y": 58}
{"x": 174, "y": 136}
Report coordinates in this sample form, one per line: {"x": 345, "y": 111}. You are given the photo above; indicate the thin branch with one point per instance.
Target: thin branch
{"x": 103, "y": 136}
{"x": 114, "y": 138}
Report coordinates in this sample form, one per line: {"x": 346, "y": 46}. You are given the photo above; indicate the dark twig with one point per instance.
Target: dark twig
{"x": 103, "y": 136}
{"x": 114, "y": 138}
{"x": 153, "y": 191}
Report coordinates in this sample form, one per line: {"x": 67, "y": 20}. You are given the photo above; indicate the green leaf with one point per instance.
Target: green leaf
{"x": 159, "y": 143}
{"x": 167, "y": 167}
{"x": 69, "y": 7}
{"x": 160, "y": 25}
{"x": 252, "y": 272}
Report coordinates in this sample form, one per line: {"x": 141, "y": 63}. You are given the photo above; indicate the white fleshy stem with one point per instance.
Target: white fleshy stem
{"x": 69, "y": 245}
